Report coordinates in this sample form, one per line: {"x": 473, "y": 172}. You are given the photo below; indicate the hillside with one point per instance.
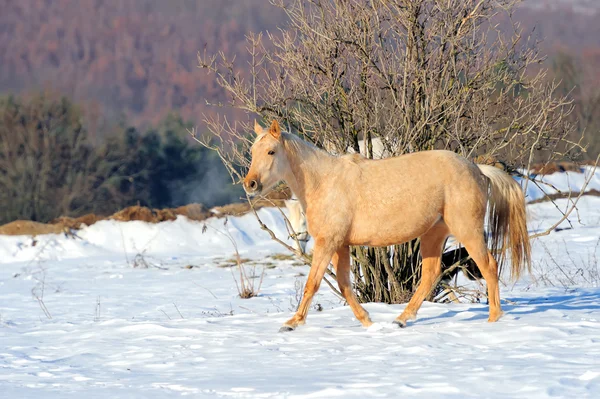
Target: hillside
{"x": 138, "y": 57}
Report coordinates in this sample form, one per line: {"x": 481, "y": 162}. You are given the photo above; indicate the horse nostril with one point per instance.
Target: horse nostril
{"x": 253, "y": 184}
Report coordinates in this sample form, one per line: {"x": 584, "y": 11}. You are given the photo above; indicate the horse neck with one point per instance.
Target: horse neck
{"x": 308, "y": 168}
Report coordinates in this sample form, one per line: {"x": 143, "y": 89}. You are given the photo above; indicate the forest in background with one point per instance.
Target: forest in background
{"x": 122, "y": 77}
{"x": 50, "y": 165}
{"x": 138, "y": 58}
{"x": 133, "y": 58}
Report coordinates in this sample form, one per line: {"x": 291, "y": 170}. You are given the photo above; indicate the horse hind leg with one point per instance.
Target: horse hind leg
{"x": 473, "y": 239}
{"x": 431, "y": 253}
{"x": 488, "y": 267}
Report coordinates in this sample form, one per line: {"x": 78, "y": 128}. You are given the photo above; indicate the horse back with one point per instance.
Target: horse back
{"x": 398, "y": 199}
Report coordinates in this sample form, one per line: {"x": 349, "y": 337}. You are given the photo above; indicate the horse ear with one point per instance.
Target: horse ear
{"x": 258, "y": 128}
{"x": 274, "y": 130}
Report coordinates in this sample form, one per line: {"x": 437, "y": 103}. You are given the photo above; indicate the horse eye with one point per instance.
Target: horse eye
{"x": 271, "y": 152}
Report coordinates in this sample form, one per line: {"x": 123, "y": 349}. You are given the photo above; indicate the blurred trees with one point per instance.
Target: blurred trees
{"x": 136, "y": 57}
{"x": 576, "y": 76}
{"x": 51, "y": 166}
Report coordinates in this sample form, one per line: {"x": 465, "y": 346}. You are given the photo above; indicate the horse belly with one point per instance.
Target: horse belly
{"x": 393, "y": 224}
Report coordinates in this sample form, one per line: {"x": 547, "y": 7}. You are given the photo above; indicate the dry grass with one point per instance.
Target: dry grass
{"x": 144, "y": 214}
{"x": 196, "y": 212}
{"x": 77, "y": 223}
{"x": 29, "y": 228}
{"x": 576, "y": 269}
{"x": 232, "y": 262}
{"x": 247, "y": 286}
{"x": 281, "y": 257}
{"x": 555, "y": 167}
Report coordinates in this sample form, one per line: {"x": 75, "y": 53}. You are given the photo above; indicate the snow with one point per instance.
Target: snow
{"x": 561, "y": 183}
{"x": 174, "y": 326}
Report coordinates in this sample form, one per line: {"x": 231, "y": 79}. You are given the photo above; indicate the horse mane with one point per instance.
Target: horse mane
{"x": 304, "y": 151}
{"x": 306, "y": 156}
{"x": 295, "y": 146}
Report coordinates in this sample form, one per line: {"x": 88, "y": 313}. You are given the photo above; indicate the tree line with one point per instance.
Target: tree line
{"x": 138, "y": 57}
{"x": 51, "y": 165}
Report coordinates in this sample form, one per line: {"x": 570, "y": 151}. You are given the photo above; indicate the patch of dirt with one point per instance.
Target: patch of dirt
{"x": 196, "y": 212}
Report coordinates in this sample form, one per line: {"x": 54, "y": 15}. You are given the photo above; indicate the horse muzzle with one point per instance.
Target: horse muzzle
{"x": 252, "y": 187}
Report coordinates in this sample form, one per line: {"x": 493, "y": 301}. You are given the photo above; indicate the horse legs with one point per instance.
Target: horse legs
{"x": 489, "y": 270}
{"x": 431, "y": 253}
{"x": 341, "y": 263}
{"x": 323, "y": 252}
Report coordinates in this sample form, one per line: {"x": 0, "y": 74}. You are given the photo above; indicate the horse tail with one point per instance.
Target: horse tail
{"x": 507, "y": 220}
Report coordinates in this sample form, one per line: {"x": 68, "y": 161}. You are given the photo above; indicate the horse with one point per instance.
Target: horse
{"x": 450, "y": 258}
{"x": 349, "y": 201}
{"x": 297, "y": 220}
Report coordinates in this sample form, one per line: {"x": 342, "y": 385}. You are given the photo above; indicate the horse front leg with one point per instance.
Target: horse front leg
{"x": 341, "y": 263}
{"x": 323, "y": 251}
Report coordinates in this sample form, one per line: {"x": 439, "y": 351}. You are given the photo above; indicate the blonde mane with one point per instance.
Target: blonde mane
{"x": 297, "y": 147}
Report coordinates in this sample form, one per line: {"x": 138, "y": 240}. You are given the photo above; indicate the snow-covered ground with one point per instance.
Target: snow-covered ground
{"x": 174, "y": 324}
{"x": 556, "y": 183}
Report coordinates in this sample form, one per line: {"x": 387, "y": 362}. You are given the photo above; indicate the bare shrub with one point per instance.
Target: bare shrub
{"x": 38, "y": 290}
{"x": 578, "y": 269}
{"x": 246, "y": 285}
{"x": 416, "y": 75}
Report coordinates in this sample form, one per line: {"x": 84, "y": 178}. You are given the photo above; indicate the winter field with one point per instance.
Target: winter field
{"x": 136, "y": 310}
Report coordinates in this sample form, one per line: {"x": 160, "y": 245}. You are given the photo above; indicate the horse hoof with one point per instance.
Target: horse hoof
{"x": 401, "y": 324}
{"x": 286, "y": 329}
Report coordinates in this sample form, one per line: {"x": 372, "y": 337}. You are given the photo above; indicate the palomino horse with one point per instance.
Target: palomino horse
{"x": 350, "y": 200}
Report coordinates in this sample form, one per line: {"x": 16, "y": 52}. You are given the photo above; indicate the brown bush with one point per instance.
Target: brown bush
{"x": 485, "y": 159}
{"x": 588, "y": 162}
